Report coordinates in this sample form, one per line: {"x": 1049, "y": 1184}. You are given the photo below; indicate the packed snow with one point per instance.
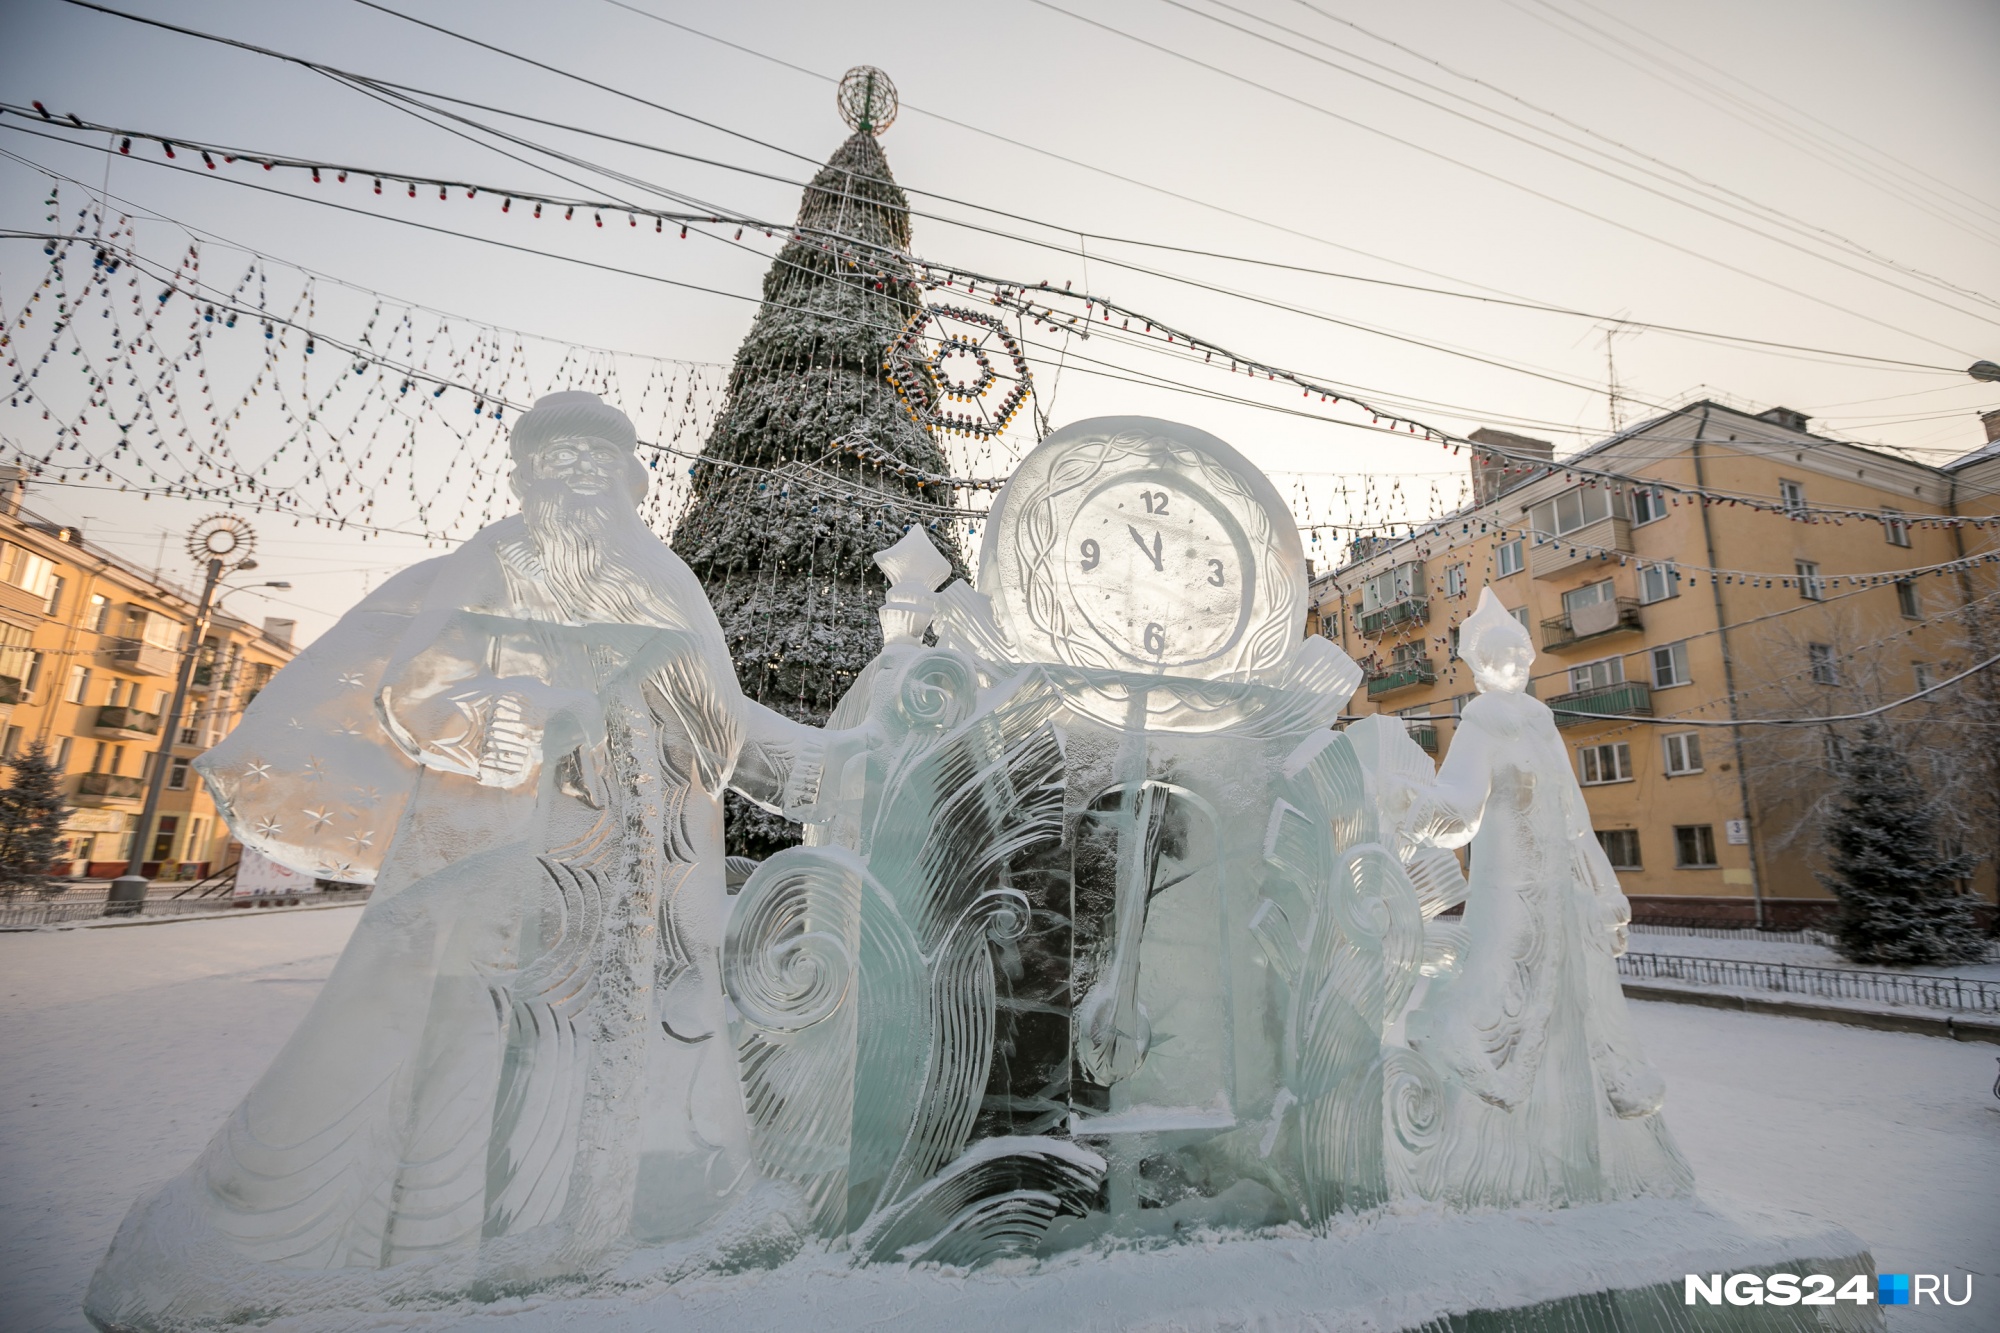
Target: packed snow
{"x": 126, "y": 1047}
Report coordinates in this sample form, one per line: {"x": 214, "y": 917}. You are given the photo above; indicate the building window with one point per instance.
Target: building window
{"x": 1825, "y": 668}
{"x": 99, "y": 614}
{"x": 1895, "y": 527}
{"x": 11, "y": 745}
{"x": 1621, "y": 847}
{"x": 63, "y": 747}
{"x": 1451, "y": 639}
{"x": 1792, "y": 495}
{"x": 1507, "y": 558}
{"x": 1574, "y": 509}
{"x": 1922, "y": 671}
{"x": 163, "y": 838}
{"x": 1811, "y": 586}
{"x": 78, "y": 682}
{"x": 1590, "y": 594}
{"x": 97, "y": 758}
{"x": 177, "y": 776}
{"x": 1599, "y": 764}
{"x": 1835, "y": 750}
{"x": 1694, "y": 846}
{"x": 1683, "y": 751}
{"x": 1648, "y": 504}
{"x": 1908, "y": 600}
{"x": 56, "y": 595}
{"x": 1394, "y": 586}
{"x": 1520, "y": 614}
{"x": 1598, "y": 675}
{"x": 1659, "y": 582}
{"x": 1670, "y": 666}
{"x": 1454, "y": 580}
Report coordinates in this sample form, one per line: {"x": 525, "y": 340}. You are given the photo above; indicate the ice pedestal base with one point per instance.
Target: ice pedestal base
{"x": 1614, "y": 1266}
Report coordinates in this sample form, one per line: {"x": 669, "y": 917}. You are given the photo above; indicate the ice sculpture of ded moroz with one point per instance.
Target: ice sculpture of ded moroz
{"x": 1102, "y": 927}
{"x": 520, "y": 1064}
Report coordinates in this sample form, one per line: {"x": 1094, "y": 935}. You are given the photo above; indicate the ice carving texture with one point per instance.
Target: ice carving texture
{"x": 1101, "y": 929}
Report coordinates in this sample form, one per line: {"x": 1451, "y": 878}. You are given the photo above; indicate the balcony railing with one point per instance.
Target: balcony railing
{"x": 1401, "y": 676}
{"x": 1626, "y": 697}
{"x": 142, "y": 658}
{"x": 111, "y": 786}
{"x": 1562, "y": 631}
{"x": 1606, "y": 539}
{"x": 127, "y": 721}
{"x": 1409, "y": 611}
{"x": 1427, "y": 737}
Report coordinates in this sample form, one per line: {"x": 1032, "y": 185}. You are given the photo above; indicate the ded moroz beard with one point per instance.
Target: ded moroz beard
{"x": 601, "y": 563}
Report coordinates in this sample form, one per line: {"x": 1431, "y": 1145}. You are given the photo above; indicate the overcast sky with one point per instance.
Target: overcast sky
{"x": 1142, "y": 119}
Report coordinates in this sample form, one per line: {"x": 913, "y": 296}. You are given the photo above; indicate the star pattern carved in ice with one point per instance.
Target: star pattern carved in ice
{"x": 348, "y": 728}
{"x": 341, "y": 870}
{"x": 256, "y": 770}
{"x": 351, "y": 679}
{"x": 320, "y": 819}
{"x": 363, "y": 840}
{"x": 267, "y": 827}
{"x": 294, "y": 724}
{"x": 365, "y": 797}
{"x": 315, "y": 769}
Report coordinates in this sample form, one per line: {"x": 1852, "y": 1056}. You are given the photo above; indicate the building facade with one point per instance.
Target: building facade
{"x": 90, "y": 648}
{"x": 1824, "y": 582}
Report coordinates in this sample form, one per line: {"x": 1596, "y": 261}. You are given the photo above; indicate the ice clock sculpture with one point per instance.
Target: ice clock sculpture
{"x": 1104, "y": 928}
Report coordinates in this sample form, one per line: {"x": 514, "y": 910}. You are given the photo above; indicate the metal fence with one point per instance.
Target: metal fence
{"x": 1828, "y": 983}
{"x": 28, "y": 912}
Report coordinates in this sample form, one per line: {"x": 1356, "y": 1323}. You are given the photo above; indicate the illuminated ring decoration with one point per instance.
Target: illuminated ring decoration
{"x": 961, "y": 390}
{"x": 224, "y": 537}
{"x": 932, "y": 394}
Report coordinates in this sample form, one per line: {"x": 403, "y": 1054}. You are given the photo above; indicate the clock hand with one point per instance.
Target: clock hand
{"x": 1152, "y": 552}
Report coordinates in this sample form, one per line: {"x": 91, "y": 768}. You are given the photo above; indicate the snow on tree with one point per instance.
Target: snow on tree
{"x": 31, "y": 820}
{"x": 1899, "y": 901}
{"x": 782, "y": 522}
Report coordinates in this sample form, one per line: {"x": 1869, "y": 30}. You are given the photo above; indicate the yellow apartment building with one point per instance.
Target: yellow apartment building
{"x": 1826, "y": 582}
{"x": 90, "y": 647}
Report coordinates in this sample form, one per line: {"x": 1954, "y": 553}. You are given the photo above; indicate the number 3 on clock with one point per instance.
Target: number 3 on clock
{"x": 1215, "y": 572}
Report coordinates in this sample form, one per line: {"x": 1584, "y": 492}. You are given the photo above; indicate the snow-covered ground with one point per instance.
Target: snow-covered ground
{"x": 1749, "y": 948}
{"x": 124, "y": 1048}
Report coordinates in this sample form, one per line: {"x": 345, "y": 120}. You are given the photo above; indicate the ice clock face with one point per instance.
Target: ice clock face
{"x": 1158, "y": 570}
{"x": 1130, "y": 544}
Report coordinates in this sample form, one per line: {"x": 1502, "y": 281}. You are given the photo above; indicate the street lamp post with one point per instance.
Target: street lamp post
{"x": 223, "y": 542}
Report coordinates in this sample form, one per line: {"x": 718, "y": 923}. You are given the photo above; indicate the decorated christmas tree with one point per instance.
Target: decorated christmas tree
{"x": 813, "y": 464}
{"x": 1899, "y": 901}
{"x": 31, "y": 820}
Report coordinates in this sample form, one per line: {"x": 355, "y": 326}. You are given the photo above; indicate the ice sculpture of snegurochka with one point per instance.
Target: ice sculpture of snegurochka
{"x": 1101, "y": 927}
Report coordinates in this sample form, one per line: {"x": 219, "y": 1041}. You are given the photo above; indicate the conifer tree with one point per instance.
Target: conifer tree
{"x": 1898, "y": 902}
{"x": 31, "y": 820}
{"x": 782, "y": 523}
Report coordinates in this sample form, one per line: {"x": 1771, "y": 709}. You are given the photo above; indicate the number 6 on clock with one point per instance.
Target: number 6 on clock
{"x": 1156, "y": 639}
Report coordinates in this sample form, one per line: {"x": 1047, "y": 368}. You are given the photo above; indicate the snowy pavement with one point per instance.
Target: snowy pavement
{"x": 123, "y": 1049}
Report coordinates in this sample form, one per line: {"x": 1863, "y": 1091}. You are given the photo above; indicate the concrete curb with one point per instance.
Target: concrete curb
{"x": 1945, "y": 1025}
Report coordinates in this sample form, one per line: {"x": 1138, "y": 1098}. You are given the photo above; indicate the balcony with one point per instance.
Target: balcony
{"x": 126, "y": 724}
{"x": 22, "y": 602}
{"x": 141, "y": 658}
{"x": 1627, "y": 697}
{"x": 104, "y": 788}
{"x": 1409, "y": 611}
{"x": 1402, "y": 675}
{"x": 1603, "y": 540}
{"x": 1426, "y": 736}
{"x": 1619, "y": 617}
{"x": 10, "y": 690}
